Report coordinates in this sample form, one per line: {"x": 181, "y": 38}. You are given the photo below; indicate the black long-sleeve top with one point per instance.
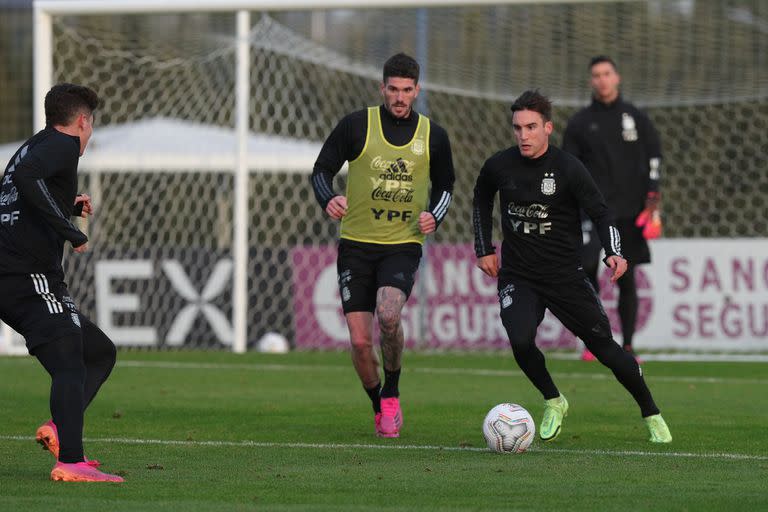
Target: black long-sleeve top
{"x": 539, "y": 201}
{"x": 37, "y": 199}
{"x": 347, "y": 140}
{"x": 620, "y": 147}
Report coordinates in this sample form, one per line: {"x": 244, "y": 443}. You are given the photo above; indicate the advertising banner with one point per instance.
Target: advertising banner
{"x": 697, "y": 295}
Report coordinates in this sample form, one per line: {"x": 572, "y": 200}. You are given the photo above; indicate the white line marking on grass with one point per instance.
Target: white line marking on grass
{"x": 178, "y": 365}
{"x": 170, "y": 365}
{"x": 622, "y": 453}
{"x": 688, "y": 358}
{"x": 361, "y": 446}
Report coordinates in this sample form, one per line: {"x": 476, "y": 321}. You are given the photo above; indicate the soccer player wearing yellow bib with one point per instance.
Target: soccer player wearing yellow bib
{"x": 395, "y": 155}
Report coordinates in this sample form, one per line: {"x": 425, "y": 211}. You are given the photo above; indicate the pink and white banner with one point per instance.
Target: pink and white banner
{"x": 698, "y": 295}
{"x": 462, "y": 304}
{"x": 706, "y": 295}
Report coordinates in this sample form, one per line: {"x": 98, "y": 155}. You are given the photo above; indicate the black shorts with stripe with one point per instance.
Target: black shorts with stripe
{"x": 363, "y": 268}
{"x": 39, "y": 307}
{"x": 574, "y": 302}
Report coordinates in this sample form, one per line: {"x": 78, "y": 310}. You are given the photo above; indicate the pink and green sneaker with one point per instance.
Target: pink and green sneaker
{"x": 81, "y": 472}
{"x": 658, "y": 429}
{"x": 555, "y": 409}
{"x": 48, "y": 436}
{"x": 391, "y": 418}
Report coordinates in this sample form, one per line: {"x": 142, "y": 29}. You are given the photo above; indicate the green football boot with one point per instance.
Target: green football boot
{"x": 555, "y": 410}
{"x": 658, "y": 429}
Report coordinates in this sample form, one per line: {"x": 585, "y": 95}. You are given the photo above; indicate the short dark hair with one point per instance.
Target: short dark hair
{"x": 401, "y": 66}
{"x": 535, "y": 101}
{"x": 599, "y": 59}
{"x": 65, "y": 101}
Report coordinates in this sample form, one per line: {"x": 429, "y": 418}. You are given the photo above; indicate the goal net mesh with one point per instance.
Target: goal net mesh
{"x": 162, "y": 236}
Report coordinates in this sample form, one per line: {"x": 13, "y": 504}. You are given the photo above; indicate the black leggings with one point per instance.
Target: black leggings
{"x": 576, "y": 305}
{"x": 78, "y": 366}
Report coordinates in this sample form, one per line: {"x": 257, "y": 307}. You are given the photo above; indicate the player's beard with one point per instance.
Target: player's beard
{"x": 405, "y": 113}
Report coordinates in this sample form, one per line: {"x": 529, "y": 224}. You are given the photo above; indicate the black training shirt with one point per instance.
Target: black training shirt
{"x": 539, "y": 201}
{"x": 37, "y": 199}
{"x": 621, "y": 149}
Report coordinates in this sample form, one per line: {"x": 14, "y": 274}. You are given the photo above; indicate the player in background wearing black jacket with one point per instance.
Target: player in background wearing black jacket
{"x": 542, "y": 190}
{"x": 37, "y": 199}
{"x": 620, "y": 147}
{"x": 398, "y": 191}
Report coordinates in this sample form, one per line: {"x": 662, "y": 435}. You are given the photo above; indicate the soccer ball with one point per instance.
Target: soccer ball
{"x": 508, "y": 428}
{"x": 273, "y": 343}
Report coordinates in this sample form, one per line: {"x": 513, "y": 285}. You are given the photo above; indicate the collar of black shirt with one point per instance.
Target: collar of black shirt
{"x": 599, "y": 105}
{"x": 535, "y": 162}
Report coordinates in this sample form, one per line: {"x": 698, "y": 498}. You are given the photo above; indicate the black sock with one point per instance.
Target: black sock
{"x": 63, "y": 359}
{"x": 391, "y": 380}
{"x": 99, "y": 354}
{"x": 627, "y": 372}
{"x": 374, "y": 394}
{"x": 532, "y": 362}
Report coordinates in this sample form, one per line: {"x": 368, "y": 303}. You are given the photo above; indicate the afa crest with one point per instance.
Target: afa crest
{"x": 548, "y": 185}
{"x": 418, "y": 147}
{"x": 505, "y": 296}
{"x": 628, "y": 128}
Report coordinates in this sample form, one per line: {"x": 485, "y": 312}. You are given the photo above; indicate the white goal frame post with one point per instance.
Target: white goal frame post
{"x": 44, "y": 10}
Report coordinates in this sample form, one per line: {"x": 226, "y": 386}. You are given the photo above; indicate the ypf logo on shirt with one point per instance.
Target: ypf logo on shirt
{"x": 628, "y": 128}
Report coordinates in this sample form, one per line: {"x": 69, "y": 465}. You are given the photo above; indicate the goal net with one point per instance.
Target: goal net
{"x": 161, "y": 162}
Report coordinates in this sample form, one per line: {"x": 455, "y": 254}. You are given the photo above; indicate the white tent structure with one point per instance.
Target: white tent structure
{"x": 174, "y": 145}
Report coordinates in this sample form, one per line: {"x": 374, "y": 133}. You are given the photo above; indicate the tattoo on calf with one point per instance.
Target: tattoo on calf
{"x": 389, "y": 305}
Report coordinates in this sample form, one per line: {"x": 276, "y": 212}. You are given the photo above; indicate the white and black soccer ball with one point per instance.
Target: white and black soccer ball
{"x": 508, "y": 428}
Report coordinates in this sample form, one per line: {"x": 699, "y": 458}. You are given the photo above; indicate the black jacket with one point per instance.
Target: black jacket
{"x": 37, "y": 199}
{"x": 620, "y": 147}
{"x": 540, "y": 200}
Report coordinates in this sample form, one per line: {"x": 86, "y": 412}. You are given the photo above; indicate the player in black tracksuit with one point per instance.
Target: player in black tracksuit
{"x": 37, "y": 198}
{"x": 620, "y": 147}
{"x": 541, "y": 191}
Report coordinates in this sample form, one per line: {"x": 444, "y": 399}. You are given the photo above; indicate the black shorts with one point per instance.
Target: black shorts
{"x": 634, "y": 246}
{"x": 364, "y": 268}
{"x": 575, "y": 303}
{"x": 39, "y": 307}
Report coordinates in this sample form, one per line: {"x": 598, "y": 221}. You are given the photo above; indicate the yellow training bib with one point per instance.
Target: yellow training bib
{"x": 388, "y": 187}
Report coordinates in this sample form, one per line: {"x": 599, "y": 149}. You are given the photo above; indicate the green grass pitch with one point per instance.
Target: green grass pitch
{"x": 202, "y": 431}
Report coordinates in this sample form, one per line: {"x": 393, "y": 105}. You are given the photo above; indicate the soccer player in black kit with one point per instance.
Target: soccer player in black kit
{"x": 541, "y": 191}
{"x": 37, "y": 199}
{"x": 620, "y": 147}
